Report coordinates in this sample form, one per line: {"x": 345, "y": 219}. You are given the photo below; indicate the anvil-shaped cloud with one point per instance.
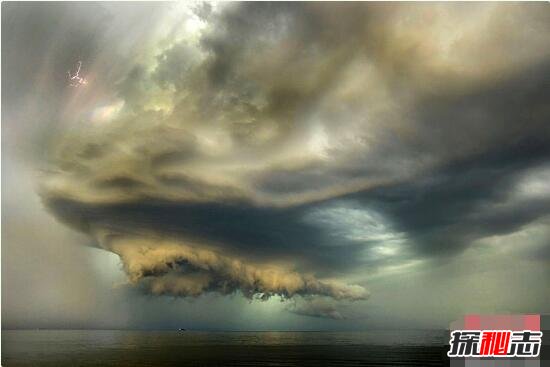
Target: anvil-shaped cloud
{"x": 275, "y": 149}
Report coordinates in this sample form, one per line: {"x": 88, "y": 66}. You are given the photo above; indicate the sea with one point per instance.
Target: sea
{"x": 58, "y": 348}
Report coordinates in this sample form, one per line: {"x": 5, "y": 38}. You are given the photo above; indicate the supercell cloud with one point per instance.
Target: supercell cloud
{"x": 284, "y": 148}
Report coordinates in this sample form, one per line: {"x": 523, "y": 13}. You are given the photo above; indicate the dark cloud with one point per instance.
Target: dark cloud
{"x": 444, "y": 211}
{"x": 281, "y": 148}
{"x": 260, "y": 232}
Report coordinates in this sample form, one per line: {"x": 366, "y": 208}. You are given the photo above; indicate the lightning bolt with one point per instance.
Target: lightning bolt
{"x": 75, "y": 79}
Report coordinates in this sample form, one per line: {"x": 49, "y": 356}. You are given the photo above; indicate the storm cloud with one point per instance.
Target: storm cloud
{"x": 282, "y": 148}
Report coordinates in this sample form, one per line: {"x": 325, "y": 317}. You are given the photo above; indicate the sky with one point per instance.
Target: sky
{"x": 273, "y": 166}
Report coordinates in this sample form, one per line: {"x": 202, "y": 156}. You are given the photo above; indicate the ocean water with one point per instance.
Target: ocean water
{"x": 196, "y": 348}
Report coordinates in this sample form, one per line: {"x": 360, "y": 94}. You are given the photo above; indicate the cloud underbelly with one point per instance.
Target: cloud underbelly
{"x": 179, "y": 249}
{"x": 166, "y": 267}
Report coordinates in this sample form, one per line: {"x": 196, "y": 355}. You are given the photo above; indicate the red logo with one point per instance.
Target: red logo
{"x": 504, "y": 336}
{"x": 495, "y": 343}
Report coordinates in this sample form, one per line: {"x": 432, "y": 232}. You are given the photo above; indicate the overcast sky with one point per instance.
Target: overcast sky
{"x": 274, "y": 165}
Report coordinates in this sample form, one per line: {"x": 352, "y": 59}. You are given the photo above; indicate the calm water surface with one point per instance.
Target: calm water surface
{"x": 193, "y": 348}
